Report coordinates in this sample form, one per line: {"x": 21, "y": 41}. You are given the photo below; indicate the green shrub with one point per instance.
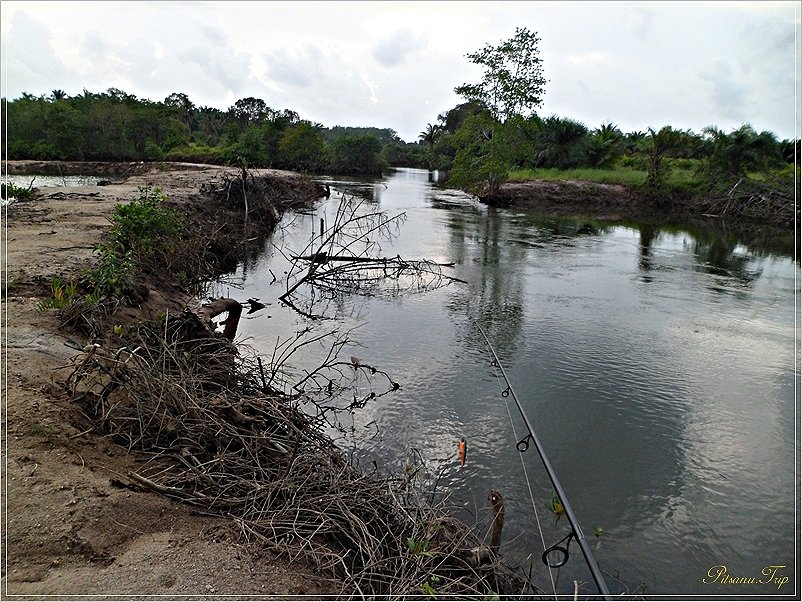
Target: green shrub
{"x": 9, "y": 190}
{"x": 74, "y": 310}
{"x": 143, "y": 232}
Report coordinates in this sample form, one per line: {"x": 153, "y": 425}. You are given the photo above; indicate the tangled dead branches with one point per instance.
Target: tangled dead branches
{"x": 748, "y": 199}
{"x": 345, "y": 260}
{"x": 259, "y": 196}
{"x": 218, "y": 438}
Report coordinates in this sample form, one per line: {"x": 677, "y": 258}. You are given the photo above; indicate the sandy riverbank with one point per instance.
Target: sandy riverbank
{"x": 71, "y": 528}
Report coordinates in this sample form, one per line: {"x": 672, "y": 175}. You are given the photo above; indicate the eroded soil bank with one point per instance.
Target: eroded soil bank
{"x": 72, "y": 527}
{"x": 739, "y": 208}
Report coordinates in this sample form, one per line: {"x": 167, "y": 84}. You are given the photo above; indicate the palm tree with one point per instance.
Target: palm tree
{"x": 561, "y": 140}
{"x": 665, "y": 142}
{"x": 58, "y": 95}
{"x": 742, "y": 150}
{"x": 431, "y": 134}
{"x": 605, "y": 144}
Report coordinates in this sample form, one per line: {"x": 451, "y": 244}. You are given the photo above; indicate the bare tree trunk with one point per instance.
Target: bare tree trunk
{"x": 211, "y": 310}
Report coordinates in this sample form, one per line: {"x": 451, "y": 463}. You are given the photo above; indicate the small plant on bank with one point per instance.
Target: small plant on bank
{"x": 74, "y": 309}
{"x": 12, "y": 191}
{"x": 144, "y": 235}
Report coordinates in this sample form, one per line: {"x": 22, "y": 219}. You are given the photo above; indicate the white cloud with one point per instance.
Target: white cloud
{"x": 395, "y": 64}
{"x": 396, "y": 48}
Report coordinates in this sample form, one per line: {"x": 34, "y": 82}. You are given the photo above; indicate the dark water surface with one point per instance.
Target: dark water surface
{"x": 657, "y": 367}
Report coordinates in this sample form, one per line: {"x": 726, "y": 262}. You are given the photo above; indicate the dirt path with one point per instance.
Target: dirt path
{"x": 70, "y": 524}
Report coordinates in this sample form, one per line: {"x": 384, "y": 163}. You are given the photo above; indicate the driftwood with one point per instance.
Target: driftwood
{"x": 344, "y": 260}
{"x": 497, "y": 503}
{"x": 209, "y": 311}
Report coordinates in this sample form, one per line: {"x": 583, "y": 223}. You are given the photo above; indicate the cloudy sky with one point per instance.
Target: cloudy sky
{"x": 395, "y": 64}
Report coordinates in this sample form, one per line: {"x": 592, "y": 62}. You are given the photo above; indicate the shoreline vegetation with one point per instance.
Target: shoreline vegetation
{"x": 758, "y": 212}
{"x": 125, "y": 400}
{"x": 493, "y": 146}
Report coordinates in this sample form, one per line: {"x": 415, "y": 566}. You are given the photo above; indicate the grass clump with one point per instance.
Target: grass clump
{"x": 12, "y": 191}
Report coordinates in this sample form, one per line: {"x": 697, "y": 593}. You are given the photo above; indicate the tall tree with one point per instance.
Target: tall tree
{"x": 250, "y": 110}
{"x": 513, "y": 82}
{"x": 512, "y": 87}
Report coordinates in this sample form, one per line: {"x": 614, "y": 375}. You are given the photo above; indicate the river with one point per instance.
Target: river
{"x": 656, "y": 365}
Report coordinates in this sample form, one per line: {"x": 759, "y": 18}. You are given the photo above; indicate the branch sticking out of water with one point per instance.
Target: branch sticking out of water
{"x": 345, "y": 259}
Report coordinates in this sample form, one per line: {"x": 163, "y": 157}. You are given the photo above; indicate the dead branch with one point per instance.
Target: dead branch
{"x": 344, "y": 261}
{"x": 217, "y": 440}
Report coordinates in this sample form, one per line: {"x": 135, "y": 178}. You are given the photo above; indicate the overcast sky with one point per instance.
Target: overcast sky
{"x": 395, "y": 64}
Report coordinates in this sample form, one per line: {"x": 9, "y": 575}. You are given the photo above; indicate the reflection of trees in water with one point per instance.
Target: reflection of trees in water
{"x": 496, "y": 298}
{"x": 367, "y": 189}
{"x": 716, "y": 255}
{"x": 713, "y": 253}
{"x": 649, "y": 234}
{"x": 498, "y": 271}
{"x": 568, "y": 228}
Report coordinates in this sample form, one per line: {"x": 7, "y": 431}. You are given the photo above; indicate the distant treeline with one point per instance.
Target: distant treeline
{"x": 115, "y": 126}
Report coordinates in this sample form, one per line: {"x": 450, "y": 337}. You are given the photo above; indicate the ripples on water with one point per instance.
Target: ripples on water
{"x": 657, "y": 368}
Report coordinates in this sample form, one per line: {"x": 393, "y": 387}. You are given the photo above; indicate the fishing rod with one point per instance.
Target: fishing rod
{"x": 576, "y": 530}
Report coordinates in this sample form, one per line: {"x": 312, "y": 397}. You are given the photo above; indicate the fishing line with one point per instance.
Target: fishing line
{"x": 528, "y": 485}
{"x": 522, "y": 446}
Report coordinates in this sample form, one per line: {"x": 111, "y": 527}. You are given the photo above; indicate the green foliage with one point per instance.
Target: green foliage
{"x": 428, "y": 586}
{"x": 61, "y": 295}
{"x": 143, "y": 230}
{"x": 665, "y": 142}
{"x": 484, "y": 156}
{"x": 621, "y": 175}
{"x": 511, "y": 88}
{"x": 513, "y": 82}
{"x": 357, "y": 154}
{"x": 429, "y": 136}
{"x": 8, "y": 190}
{"x": 113, "y": 276}
{"x": 451, "y": 120}
{"x": 194, "y": 153}
{"x": 418, "y": 547}
{"x": 605, "y": 146}
{"x": 742, "y": 150}
{"x": 153, "y": 151}
{"x": 145, "y": 225}
{"x": 561, "y": 143}
{"x": 383, "y": 135}
{"x": 302, "y": 147}
{"x": 249, "y": 149}
{"x": 74, "y": 310}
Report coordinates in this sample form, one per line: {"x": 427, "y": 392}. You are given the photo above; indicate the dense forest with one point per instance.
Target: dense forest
{"x": 465, "y": 141}
{"x": 115, "y": 126}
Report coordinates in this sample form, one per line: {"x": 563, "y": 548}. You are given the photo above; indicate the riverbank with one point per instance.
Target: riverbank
{"x": 74, "y": 525}
{"x": 82, "y": 517}
{"x": 744, "y": 207}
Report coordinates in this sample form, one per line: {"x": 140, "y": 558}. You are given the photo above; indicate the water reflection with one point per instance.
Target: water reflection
{"x": 657, "y": 365}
